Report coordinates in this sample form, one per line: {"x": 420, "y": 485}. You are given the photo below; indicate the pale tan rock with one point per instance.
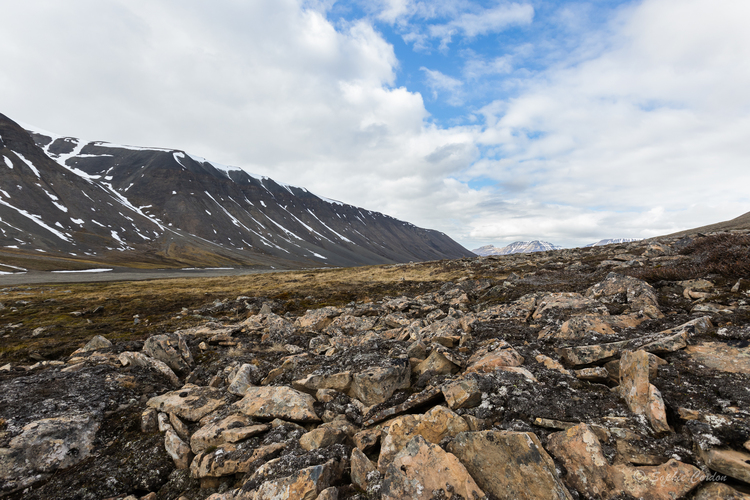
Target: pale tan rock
{"x": 227, "y": 459}
{"x": 278, "y": 402}
{"x": 179, "y": 426}
{"x": 367, "y": 439}
{"x": 422, "y": 469}
{"x": 664, "y": 482}
{"x": 555, "y": 305}
{"x": 96, "y": 343}
{"x": 639, "y": 295}
{"x": 312, "y": 383}
{"x": 47, "y": 444}
{"x": 317, "y": 319}
{"x": 363, "y": 472}
{"x": 438, "y": 423}
{"x": 579, "y": 450}
{"x": 436, "y": 363}
{"x": 657, "y": 414}
{"x": 331, "y": 493}
{"x": 171, "y": 350}
{"x": 720, "y": 356}
{"x": 733, "y": 463}
{"x": 305, "y": 484}
{"x": 177, "y": 449}
{"x": 375, "y": 385}
{"x": 510, "y": 465}
{"x": 321, "y": 437}
{"x": 246, "y": 376}
{"x": 631, "y": 448}
{"x": 594, "y": 374}
{"x": 634, "y": 381}
{"x": 212, "y": 434}
{"x": 718, "y": 491}
{"x": 139, "y": 359}
{"x": 498, "y": 355}
{"x": 191, "y": 403}
{"x": 163, "y": 422}
{"x": 590, "y": 354}
{"x": 233, "y": 435}
{"x": 462, "y": 393}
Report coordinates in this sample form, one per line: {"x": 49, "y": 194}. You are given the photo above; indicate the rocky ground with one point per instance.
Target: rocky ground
{"x": 611, "y": 372}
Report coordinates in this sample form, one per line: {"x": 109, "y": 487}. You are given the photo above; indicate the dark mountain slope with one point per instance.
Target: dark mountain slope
{"x": 171, "y": 206}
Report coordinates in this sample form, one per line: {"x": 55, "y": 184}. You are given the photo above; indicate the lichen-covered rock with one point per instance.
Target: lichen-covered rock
{"x": 375, "y": 385}
{"x": 422, "y": 471}
{"x": 177, "y": 449}
{"x": 277, "y": 402}
{"x": 510, "y": 465}
{"x": 192, "y": 402}
{"x": 171, "y": 350}
{"x": 462, "y": 393}
{"x": 306, "y": 484}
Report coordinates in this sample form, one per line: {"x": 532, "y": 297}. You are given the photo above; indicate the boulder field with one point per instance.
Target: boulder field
{"x": 566, "y": 379}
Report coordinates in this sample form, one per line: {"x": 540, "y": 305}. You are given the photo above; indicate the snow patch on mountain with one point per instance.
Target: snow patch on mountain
{"x": 516, "y": 247}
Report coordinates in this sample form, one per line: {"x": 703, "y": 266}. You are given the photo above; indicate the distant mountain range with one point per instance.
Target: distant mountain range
{"x": 516, "y": 247}
{"x": 538, "y": 246}
{"x": 70, "y": 199}
{"x": 611, "y": 242}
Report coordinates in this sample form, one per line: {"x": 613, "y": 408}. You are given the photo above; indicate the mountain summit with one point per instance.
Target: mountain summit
{"x": 113, "y": 203}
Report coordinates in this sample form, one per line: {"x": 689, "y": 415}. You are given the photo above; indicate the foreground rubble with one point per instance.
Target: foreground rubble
{"x": 567, "y": 378}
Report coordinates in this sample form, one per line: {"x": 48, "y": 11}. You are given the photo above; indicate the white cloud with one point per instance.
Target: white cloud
{"x": 437, "y": 81}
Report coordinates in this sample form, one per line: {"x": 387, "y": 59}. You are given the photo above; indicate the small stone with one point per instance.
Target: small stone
{"x": 321, "y": 438}
{"x": 436, "y": 363}
{"x": 595, "y": 374}
{"x": 192, "y": 402}
{"x": 149, "y": 421}
{"x": 363, "y": 472}
{"x": 375, "y": 385}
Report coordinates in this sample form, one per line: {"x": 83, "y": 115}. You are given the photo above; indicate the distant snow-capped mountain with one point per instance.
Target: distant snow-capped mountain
{"x": 97, "y": 200}
{"x": 611, "y": 242}
{"x": 516, "y": 247}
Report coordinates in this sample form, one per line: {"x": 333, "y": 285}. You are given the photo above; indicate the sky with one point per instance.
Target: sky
{"x": 491, "y": 121}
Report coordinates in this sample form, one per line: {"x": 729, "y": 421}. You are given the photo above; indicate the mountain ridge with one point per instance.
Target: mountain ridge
{"x": 171, "y": 208}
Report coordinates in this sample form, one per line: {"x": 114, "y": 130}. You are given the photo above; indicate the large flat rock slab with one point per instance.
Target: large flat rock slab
{"x": 277, "y": 402}
{"x": 191, "y": 403}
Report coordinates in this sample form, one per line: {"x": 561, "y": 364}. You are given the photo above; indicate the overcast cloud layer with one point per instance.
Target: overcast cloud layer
{"x": 490, "y": 121}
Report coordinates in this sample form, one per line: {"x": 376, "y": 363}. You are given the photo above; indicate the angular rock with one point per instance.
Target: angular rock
{"x": 637, "y": 294}
{"x": 363, "y": 471}
{"x": 436, "y": 363}
{"x": 312, "y": 383}
{"x": 228, "y": 459}
{"x": 414, "y": 401}
{"x": 277, "y": 402}
{"x": 149, "y": 421}
{"x": 171, "y": 350}
{"x": 49, "y": 444}
{"x": 306, "y": 484}
{"x": 722, "y": 357}
{"x": 588, "y": 471}
{"x": 246, "y": 376}
{"x": 556, "y": 306}
{"x": 595, "y": 374}
{"x": 642, "y": 397}
{"x": 496, "y": 356}
{"x": 590, "y": 354}
{"x": 439, "y": 422}
{"x": 422, "y": 471}
{"x": 321, "y": 438}
{"x": 510, "y": 465}
{"x": 141, "y": 360}
{"x": 98, "y": 342}
{"x": 212, "y": 434}
{"x": 462, "y": 393}
{"x": 191, "y": 403}
{"x": 317, "y": 319}
{"x": 177, "y": 449}
{"x": 733, "y": 463}
{"x": 375, "y": 385}
{"x": 719, "y": 491}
